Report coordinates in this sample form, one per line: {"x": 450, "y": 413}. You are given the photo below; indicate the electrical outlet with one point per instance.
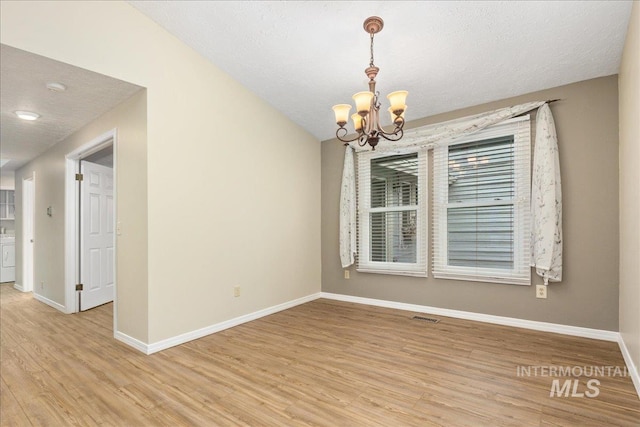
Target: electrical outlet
{"x": 236, "y": 291}
{"x": 42, "y": 285}
{"x": 541, "y": 291}
{"x": 119, "y": 228}
{"x": 346, "y": 274}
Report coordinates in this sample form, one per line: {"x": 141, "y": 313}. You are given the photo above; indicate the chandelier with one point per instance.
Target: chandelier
{"x": 366, "y": 120}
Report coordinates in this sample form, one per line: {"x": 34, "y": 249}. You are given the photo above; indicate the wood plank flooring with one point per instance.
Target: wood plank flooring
{"x": 324, "y": 363}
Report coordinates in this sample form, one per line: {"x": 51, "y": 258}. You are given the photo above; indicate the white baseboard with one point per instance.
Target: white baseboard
{"x": 199, "y": 333}
{"x": 18, "y": 287}
{"x": 631, "y": 367}
{"x": 132, "y": 342}
{"x": 51, "y": 303}
{"x": 487, "y": 318}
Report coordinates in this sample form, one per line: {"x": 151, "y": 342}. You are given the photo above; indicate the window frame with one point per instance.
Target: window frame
{"x": 520, "y": 274}
{"x": 364, "y": 262}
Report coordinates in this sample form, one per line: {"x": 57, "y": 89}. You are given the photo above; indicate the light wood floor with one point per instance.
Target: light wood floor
{"x": 324, "y": 363}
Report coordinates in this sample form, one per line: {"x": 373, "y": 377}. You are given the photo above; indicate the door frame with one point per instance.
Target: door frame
{"x": 72, "y": 219}
{"x": 28, "y": 221}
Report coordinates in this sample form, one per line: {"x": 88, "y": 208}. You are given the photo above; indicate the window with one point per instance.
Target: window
{"x": 392, "y": 212}
{"x": 481, "y": 205}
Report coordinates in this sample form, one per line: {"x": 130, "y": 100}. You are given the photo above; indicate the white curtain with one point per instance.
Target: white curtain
{"x": 348, "y": 210}
{"x": 546, "y": 200}
{"x": 546, "y": 206}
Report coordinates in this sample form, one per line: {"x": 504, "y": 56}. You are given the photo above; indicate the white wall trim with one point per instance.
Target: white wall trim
{"x": 631, "y": 367}
{"x": 208, "y": 330}
{"x": 51, "y": 303}
{"x": 70, "y": 234}
{"x": 28, "y": 221}
{"x": 71, "y": 215}
{"x": 479, "y": 317}
{"x": 132, "y": 342}
{"x": 18, "y": 287}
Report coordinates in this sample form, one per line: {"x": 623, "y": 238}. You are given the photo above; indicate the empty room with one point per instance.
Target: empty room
{"x": 433, "y": 217}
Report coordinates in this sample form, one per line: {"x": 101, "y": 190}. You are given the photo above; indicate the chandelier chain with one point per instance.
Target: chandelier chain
{"x": 371, "y": 61}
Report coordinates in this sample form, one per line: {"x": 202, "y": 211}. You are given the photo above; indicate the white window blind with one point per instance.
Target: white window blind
{"x": 392, "y": 212}
{"x": 481, "y": 205}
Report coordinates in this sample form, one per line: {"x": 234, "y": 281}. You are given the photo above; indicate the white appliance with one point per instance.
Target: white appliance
{"x": 7, "y": 259}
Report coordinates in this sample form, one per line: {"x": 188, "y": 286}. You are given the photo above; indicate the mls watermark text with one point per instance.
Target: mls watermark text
{"x": 582, "y": 382}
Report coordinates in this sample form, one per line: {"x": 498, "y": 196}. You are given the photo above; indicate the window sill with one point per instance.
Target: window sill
{"x": 498, "y": 280}
{"x": 392, "y": 272}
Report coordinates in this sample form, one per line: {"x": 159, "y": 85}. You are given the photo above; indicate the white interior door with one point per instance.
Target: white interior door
{"x": 28, "y": 209}
{"x": 97, "y": 254}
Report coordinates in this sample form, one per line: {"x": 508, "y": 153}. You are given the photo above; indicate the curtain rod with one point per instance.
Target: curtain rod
{"x": 548, "y": 101}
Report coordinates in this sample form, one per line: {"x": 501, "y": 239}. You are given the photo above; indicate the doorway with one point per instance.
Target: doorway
{"x": 90, "y": 246}
{"x": 28, "y": 221}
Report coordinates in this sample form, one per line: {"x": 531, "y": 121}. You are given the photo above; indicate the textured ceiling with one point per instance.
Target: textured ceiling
{"x": 305, "y": 56}
{"x": 23, "y": 79}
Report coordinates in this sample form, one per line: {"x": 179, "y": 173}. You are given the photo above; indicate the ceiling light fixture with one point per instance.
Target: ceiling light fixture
{"x": 367, "y": 119}
{"x": 56, "y": 87}
{"x": 27, "y": 115}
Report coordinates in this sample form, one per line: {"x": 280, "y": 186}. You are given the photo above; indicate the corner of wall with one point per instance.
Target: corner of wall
{"x": 629, "y": 177}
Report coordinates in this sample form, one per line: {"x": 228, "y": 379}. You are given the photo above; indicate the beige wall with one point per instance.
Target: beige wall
{"x": 129, "y": 120}
{"x": 629, "y": 83}
{"x": 587, "y": 127}
{"x": 7, "y": 180}
{"x": 248, "y": 204}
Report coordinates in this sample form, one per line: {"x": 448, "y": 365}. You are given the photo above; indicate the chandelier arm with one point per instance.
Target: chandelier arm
{"x": 341, "y": 137}
{"x": 399, "y": 123}
{"x": 395, "y": 136}
{"x": 397, "y": 133}
{"x": 376, "y": 99}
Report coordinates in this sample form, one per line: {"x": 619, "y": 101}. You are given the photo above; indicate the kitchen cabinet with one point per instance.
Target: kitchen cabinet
{"x": 7, "y": 204}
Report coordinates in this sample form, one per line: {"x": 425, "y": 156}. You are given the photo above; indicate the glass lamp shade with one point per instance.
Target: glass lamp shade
{"x": 398, "y": 99}
{"x": 357, "y": 121}
{"x": 393, "y": 115}
{"x": 363, "y": 101}
{"x": 342, "y": 113}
